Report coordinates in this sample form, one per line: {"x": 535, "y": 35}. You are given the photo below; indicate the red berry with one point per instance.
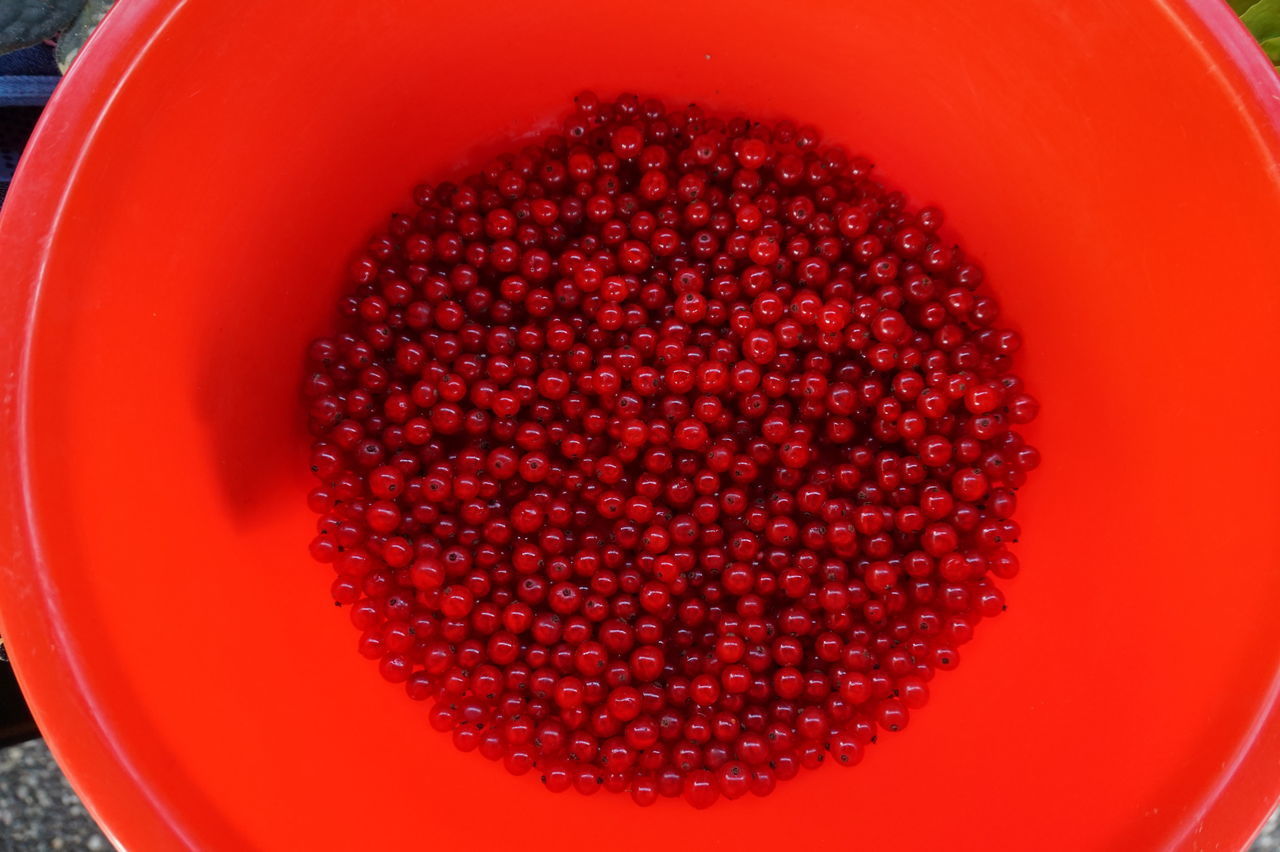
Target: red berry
{"x": 669, "y": 455}
{"x": 700, "y": 788}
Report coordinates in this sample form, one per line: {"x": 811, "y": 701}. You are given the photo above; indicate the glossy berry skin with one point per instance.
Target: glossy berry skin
{"x": 668, "y": 456}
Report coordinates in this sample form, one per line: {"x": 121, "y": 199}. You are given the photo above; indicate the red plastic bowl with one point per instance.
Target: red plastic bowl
{"x": 179, "y": 230}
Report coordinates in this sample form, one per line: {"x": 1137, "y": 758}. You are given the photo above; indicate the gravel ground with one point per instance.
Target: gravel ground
{"x": 1269, "y": 839}
{"x": 38, "y": 811}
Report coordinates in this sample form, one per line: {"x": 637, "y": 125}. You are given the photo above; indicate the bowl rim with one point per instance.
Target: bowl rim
{"x": 95, "y": 760}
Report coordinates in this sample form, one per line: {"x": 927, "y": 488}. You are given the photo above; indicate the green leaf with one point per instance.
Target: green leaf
{"x": 1272, "y": 47}
{"x": 1239, "y": 6}
{"x": 74, "y": 38}
{"x": 27, "y": 22}
{"x": 1263, "y": 19}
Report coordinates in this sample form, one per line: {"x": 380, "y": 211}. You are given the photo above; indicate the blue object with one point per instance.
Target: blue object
{"x": 26, "y": 90}
{"x": 36, "y": 61}
{"x": 27, "y": 79}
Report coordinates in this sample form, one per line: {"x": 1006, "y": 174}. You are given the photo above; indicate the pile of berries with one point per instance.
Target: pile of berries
{"x": 670, "y": 455}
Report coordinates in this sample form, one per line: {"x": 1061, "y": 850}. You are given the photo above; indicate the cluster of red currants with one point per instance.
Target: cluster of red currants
{"x": 670, "y": 455}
